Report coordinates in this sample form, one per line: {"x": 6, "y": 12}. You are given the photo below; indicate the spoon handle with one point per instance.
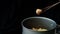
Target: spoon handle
{"x": 49, "y": 7}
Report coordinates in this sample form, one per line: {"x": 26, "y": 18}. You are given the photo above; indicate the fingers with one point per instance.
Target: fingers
{"x": 38, "y": 11}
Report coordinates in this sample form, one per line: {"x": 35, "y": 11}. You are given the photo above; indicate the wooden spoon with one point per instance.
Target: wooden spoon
{"x": 39, "y": 11}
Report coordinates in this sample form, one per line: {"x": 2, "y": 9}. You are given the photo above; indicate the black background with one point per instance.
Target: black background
{"x": 12, "y": 12}
{"x": 28, "y": 8}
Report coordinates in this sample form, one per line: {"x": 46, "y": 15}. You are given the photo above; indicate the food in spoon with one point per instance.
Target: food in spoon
{"x": 38, "y": 11}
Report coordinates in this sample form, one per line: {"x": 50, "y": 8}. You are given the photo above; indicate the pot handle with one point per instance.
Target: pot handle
{"x": 58, "y": 29}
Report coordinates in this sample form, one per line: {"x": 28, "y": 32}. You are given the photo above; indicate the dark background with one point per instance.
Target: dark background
{"x": 28, "y": 8}
{"x": 12, "y": 12}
